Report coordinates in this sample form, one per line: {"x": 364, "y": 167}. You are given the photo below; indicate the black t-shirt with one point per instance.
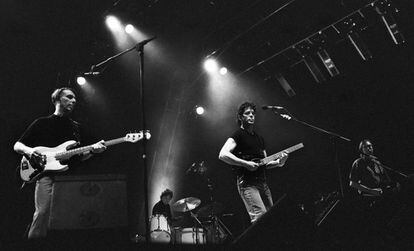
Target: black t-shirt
{"x": 161, "y": 208}
{"x": 249, "y": 146}
{"x": 369, "y": 174}
{"x": 50, "y": 131}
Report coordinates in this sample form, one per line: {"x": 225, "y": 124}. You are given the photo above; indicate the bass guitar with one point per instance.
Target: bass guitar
{"x": 54, "y": 159}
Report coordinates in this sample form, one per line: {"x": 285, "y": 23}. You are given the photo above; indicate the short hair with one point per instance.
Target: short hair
{"x": 166, "y": 192}
{"x": 243, "y": 107}
{"x": 57, "y": 93}
{"x": 362, "y": 143}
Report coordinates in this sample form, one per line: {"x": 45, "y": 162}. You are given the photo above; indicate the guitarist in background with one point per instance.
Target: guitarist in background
{"x": 379, "y": 196}
{"x": 50, "y": 131}
{"x": 239, "y": 150}
{"x": 367, "y": 175}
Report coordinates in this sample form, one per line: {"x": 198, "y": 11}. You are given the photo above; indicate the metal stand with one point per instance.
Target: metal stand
{"x": 218, "y": 225}
{"x": 140, "y": 48}
{"x": 334, "y": 137}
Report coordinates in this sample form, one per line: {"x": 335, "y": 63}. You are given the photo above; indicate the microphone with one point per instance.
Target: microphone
{"x": 146, "y": 41}
{"x": 265, "y": 107}
{"x": 92, "y": 73}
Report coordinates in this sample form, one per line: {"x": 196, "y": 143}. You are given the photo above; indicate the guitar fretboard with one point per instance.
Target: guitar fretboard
{"x": 275, "y": 156}
{"x": 69, "y": 153}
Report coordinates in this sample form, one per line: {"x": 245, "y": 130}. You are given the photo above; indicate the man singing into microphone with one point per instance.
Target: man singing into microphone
{"x": 239, "y": 150}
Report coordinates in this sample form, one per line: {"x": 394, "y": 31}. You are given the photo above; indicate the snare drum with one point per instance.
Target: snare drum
{"x": 159, "y": 229}
{"x": 190, "y": 235}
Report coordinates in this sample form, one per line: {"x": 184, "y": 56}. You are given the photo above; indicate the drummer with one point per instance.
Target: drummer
{"x": 163, "y": 206}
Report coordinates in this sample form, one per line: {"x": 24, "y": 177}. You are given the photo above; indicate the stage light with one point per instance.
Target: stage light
{"x": 80, "y": 80}
{"x": 199, "y": 110}
{"x": 223, "y": 71}
{"x": 328, "y": 62}
{"x": 305, "y": 48}
{"x": 314, "y": 69}
{"x": 113, "y": 23}
{"x": 210, "y": 65}
{"x": 285, "y": 85}
{"x": 385, "y": 9}
{"x": 359, "y": 45}
{"x": 129, "y": 28}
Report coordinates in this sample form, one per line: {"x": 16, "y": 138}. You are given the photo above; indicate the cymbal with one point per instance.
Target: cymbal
{"x": 210, "y": 209}
{"x": 186, "y": 204}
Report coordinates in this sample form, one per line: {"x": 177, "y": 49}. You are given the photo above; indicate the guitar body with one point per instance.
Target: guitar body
{"x": 29, "y": 172}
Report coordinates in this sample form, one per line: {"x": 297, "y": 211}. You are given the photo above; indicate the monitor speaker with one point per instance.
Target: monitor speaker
{"x": 285, "y": 226}
{"x": 91, "y": 201}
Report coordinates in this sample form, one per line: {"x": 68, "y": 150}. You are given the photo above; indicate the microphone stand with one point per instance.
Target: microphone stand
{"x": 139, "y": 47}
{"x": 334, "y": 137}
{"x": 390, "y": 169}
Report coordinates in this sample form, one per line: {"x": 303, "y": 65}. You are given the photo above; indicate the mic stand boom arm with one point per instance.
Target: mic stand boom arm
{"x": 138, "y": 47}
{"x": 333, "y": 136}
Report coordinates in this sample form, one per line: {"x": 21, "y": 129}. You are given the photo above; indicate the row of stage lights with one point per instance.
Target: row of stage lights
{"x": 113, "y": 23}
{"x": 211, "y": 66}
{"x": 316, "y": 45}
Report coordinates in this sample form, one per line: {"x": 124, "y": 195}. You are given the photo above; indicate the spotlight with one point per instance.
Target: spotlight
{"x": 359, "y": 45}
{"x": 314, "y": 69}
{"x": 385, "y": 9}
{"x": 285, "y": 85}
{"x": 223, "y": 71}
{"x": 80, "y": 80}
{"x": 210, "y": 65}
{"x": 112, "y": 22}
{"x": 328, "y": 62}
{"x": 129, "y": 28}
{"x": 199, "y": 110}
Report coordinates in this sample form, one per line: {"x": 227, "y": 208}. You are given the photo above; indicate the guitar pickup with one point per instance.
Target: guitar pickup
{"x": 25, "y": 166}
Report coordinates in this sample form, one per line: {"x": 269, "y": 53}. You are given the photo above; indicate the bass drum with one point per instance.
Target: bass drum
{"x": 160, "y": 231}
{"x": 190, "y": 235}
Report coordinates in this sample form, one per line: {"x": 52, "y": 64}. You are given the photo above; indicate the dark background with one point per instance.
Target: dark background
{"x": 45, "y": 44}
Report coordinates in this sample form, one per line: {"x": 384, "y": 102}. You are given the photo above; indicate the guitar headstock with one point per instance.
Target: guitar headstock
{"x": 135, "y": 137}
{"x": 285, "y": 116}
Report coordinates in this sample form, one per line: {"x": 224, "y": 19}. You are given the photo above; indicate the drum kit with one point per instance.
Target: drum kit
{"x": 207, "y": 228}
{"x": 209, "y": 231}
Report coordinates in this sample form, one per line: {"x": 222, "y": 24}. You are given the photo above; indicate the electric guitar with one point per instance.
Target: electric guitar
{"x": 264, "y": 161}
{"x": 54, "y": 159}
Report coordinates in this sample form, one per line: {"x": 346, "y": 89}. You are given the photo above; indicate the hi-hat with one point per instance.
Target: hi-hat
{"x": 186, "y": 204}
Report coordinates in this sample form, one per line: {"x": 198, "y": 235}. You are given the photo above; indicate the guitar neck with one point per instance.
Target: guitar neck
{"x": 84, "y": 149}
{"x": 275, "y": 156}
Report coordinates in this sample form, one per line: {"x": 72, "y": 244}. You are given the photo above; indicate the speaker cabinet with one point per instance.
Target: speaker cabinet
{"x": 284, "y": 226}
{"x": 90, "y": 201}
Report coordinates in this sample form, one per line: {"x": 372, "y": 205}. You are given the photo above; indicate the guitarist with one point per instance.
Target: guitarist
{"x": 50, "y": 131}
{"x": 367, "y": 175}
{"x": 378, "y": 195}
{"x": 239, "y": 150}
